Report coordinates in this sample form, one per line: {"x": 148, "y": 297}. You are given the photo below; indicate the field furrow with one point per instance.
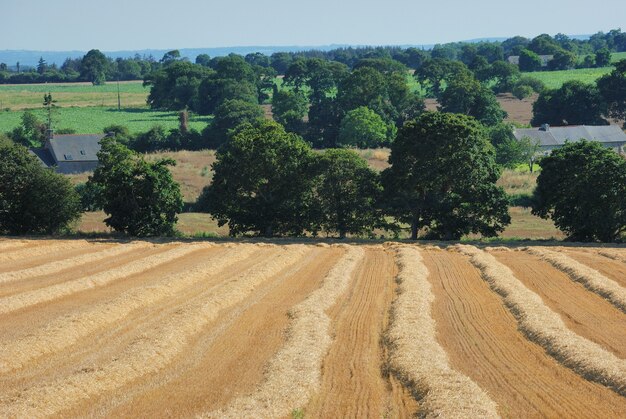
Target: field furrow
{"x": 418, "y": 359}
{"x": 293, "y": 374}
{"x": 611, "y": 267}
{"x": 581, "y": 311}
{"x": 96, "y": 254}
{"x": 243, "y": 339}
{"x": 590, "y": 278}
{"x": 65, "y": 331}
{"x": 150, "y": 352}
{"x": 615, "y": 255}
{"x": 546, "y": 328}
{"x": 36, "y": 249}
{"x": 353, "y": 384}
{"x": 38, "y": 296}
{"x": 482, "y": 340}
{"x": 90, "y": 269}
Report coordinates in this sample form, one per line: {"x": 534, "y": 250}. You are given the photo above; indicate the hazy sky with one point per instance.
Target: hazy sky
{"x": 141, "y": 24}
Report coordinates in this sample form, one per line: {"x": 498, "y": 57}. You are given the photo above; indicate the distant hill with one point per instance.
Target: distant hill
{"x": 28, "y": 58}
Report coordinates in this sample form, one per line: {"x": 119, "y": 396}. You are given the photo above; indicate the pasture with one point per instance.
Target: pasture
{"x": 93, "y": 119}
{"x": 278, "y": 329}
{"x": 555, "y": 79}
{"x": 29, "y": 96}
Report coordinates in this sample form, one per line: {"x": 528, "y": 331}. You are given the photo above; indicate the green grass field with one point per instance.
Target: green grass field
{"x": 555, "y": 79}
{"x": 22, "y": 96}
{"x": 85, "y": 120}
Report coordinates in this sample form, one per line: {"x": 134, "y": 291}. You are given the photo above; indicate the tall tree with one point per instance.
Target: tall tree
{"x": 443, "y": 178}
{"x": 346, "y": 193}
{"x": 612, "y": 87}
{"x": 574, "y": 103}
{"x": 94, "y": 67}
{"x": 582, "y": 188}
{"x": 262, "y": 182}
{"x": 140, "y": 198}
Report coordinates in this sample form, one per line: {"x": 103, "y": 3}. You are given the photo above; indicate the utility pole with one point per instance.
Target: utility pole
{"x": 119, "y": 102}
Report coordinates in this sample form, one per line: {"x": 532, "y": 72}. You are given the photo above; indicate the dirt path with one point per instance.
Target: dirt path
{"x": 482, "y": 341}
{"x": 353, "y": 384}
{"x": 243, "y": 339}
{"x": 611, "y": 268}
{"x": 581, "y": 310}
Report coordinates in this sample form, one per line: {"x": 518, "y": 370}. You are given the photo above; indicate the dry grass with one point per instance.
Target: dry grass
{"x": 43, "y": 248}
{"x": 516, "y": 182}
{"x": 417, "y": 358}
{"x": 545, "y": 327}
{"x": 60, "y": 265}
{"x": 613, "y": 255}
{"x": 67, "y": 330}
{"x": 29, "y": 298}
{"x": 294, "y": 373}
{"x": 12, "y": 244}
{"x": 590, "y": 278}
{"x": 153, "y": 351}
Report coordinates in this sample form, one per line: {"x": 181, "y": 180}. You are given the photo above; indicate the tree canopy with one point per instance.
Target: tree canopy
{"x": 346, "y": 193}
{"x": 574, "y": 103}
{"x": 262, "y": 182}
{"x": 140, "y": 198}
{"x": 582, "y": 188}
{"x": 443, "y": 178}
{"x": 364, "y": 128}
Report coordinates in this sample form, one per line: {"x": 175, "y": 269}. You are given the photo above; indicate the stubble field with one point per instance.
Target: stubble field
{"x": 105, "y": 328}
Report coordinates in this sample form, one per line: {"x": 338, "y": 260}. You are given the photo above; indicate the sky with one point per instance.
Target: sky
{"x": 112, "y": 25}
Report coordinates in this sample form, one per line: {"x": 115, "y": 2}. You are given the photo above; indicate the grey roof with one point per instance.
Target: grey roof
{"x": 44, "y": 156}
{"x": 71, "y": 147}
{"x": 555, "y": 136}
{"x": 514, "y": 59}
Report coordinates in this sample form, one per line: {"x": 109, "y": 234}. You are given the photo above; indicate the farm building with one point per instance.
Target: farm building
{"x": 545, "y": 59}
{"x": 550, "y": 138}
{"x": 70, "y": 153}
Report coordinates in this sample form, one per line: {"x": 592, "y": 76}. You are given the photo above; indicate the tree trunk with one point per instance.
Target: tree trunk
{"x": 414, "y": 230}
{"x": 269, "y": 231}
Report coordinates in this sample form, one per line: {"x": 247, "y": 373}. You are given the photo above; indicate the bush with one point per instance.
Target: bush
{"x": 522, "y": 91}
{"x": 33, "y": 200}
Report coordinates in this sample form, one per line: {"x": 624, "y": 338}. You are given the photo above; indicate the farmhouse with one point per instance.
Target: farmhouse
{"x": 550, "y": 138}
{"x": 70, "y": 153}
{"x": 545, "y": 59}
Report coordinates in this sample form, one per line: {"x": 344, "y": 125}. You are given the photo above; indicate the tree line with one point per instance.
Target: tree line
{"x": 441, "y": 184}
{"x": 567, "y": 53}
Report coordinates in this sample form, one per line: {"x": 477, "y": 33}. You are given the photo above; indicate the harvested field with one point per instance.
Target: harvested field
{"x": 105, "y": 328}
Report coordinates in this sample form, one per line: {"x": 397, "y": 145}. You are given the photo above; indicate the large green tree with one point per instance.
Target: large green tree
{"x": 289, "y": 109}
{"x": 262, "y": 182}
{"x": 574, "y": 103}
{"x": 228, "y": 116}
{"x": 346, "y": 193}
{"x": 176, "y": 86}
{"x": 612, "y": 87}
{"x": 140, "y": 198}
{"x": 464, "y": 94}
{"x": 443, "y": 178}
{"x": 582, "y": 188}
{"x": 364, "y": 128}
{"x": 94, "y": 66}
{"x": 33, "y": 199}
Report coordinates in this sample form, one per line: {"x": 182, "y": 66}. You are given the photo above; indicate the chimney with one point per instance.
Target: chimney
{"x": 545, "y": 127}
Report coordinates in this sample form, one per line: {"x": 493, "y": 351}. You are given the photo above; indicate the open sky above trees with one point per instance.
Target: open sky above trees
{"x": 123, "y": 25}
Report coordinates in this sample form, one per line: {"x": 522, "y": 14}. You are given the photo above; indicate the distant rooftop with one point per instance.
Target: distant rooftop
{"x": 557, "y": 136}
